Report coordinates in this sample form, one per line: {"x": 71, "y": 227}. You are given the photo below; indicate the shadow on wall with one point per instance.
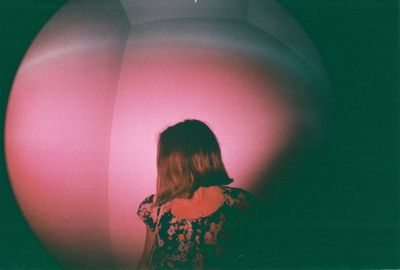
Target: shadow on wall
{"x": 100, "y": 81}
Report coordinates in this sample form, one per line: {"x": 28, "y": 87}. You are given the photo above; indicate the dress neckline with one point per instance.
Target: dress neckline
{"x": 225, "y": 202}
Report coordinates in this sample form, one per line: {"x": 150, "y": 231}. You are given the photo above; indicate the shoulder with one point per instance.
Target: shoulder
{"x": 147, "y": 203}
{"x": 147, "y": 212}
{"x": 149, "y": 200}
{"x": 237, "y": 197}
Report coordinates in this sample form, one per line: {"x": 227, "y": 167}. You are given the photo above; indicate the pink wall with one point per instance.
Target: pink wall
{"x": 58, "y": 131}
{"x": 160, "y": 87}
{"x": 94, "y": 91}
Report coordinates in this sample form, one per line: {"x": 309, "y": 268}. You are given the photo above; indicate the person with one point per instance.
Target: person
{"x": 195, "y": 220}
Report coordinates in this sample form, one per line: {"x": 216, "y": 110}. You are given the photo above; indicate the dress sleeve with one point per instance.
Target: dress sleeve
{"x": 243, "y": 201}
{"x": 147, "y": 213}
{"x": 247, "y": 203}
{"x": 243, "y": 228}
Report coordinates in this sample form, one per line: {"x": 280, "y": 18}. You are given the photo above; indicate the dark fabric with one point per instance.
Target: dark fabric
{"x": 221, "y": 240}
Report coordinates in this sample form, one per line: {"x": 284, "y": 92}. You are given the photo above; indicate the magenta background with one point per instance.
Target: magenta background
{"x": 84, "y": 113}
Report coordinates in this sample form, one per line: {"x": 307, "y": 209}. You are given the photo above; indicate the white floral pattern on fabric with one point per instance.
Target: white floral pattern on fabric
{"x": 196, "y": 243}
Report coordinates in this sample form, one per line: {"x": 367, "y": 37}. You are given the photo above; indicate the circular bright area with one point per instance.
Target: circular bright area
{"x": 99, "y": 83}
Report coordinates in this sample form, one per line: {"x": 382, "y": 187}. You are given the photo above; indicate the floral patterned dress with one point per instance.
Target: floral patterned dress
{"x": 215, "y": 241}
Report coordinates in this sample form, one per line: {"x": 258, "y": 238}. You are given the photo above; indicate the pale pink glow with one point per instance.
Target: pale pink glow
{"x": 86, "y": 146}
{"x": 57, "y": 143}
{"x": 158, "y": 88}
{"x": 89, "y": 100}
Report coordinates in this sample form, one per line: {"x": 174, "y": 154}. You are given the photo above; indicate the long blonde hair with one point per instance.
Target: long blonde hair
{"x": 188, "y": 157}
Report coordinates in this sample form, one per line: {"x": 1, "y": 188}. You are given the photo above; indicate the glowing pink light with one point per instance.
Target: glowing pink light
{"x": 89, "y": 99}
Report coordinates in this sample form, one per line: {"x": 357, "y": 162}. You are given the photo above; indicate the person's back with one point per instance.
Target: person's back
{"x": 209, "y": 230}
{"x": 195, "y": 220}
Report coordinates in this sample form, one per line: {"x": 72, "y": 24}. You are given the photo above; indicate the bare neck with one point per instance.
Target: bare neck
{"x": 204, "y": 202}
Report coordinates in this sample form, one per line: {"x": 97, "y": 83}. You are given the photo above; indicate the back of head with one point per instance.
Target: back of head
{"x": 188, "y": 157}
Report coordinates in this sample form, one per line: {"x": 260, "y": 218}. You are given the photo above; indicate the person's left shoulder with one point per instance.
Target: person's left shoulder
{"x": 240, "y": 198}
